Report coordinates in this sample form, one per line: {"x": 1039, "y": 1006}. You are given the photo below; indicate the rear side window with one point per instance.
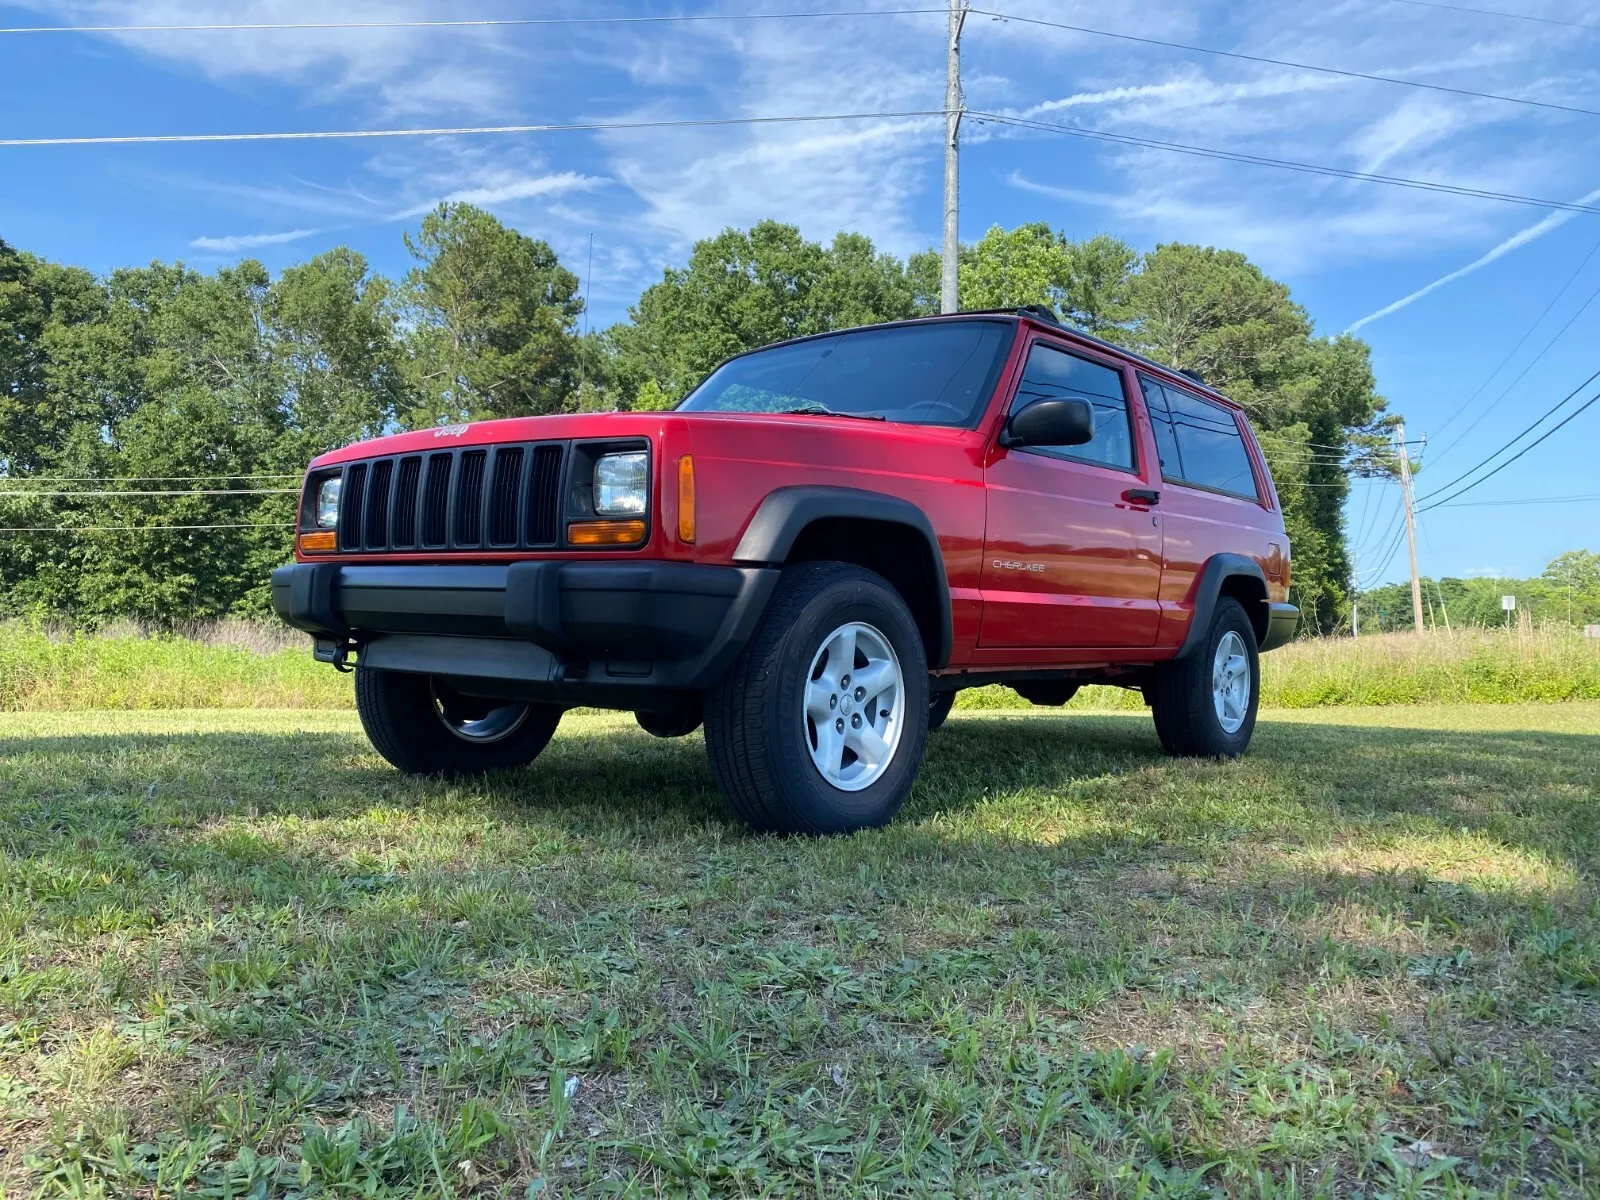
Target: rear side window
{"x": 1053, "y": 373}
{"x": 1199, "y": 442}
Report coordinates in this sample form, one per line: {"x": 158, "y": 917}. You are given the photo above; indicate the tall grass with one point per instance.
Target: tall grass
{"x": 1466, "y": 667}
{"x": 262, "y": 665}
{"x": 233, "y": 664}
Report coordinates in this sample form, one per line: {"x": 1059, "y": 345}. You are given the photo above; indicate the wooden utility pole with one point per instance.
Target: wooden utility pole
{"x": 1411, "y": 527}
{"x": 949, "y": 292}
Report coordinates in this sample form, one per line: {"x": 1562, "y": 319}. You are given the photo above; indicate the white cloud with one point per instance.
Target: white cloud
{"x": 508, "y": 189}
{"x": 1517, "y": 240}
{"x": 250, "y": 241}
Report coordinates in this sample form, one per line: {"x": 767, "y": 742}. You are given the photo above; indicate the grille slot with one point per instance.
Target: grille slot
{"x": 378, "y": 505}
{"x": 436, "y": 500}
{"x": 469, "y": 498}
{"x": 544, "y": 496}
{"x": 503, "y": 496}
{"x": 405, "y": 503}
{"x": 473, "y": 498}
{"x": 350, "y": 497}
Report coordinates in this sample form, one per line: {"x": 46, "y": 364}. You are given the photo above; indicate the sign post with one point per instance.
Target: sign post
{"x": 1509, "y": 603}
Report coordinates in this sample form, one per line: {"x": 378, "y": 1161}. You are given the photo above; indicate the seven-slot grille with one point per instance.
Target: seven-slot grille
{"x": 474, "y": 498}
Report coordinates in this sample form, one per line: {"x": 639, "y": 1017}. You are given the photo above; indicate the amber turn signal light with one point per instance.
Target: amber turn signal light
{"x": 686, "y": 499}
{"x": 319, "y": 543}
{"x": 605, "y": 533}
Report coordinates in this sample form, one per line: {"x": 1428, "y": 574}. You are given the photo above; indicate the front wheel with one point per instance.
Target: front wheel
{"x": 425, "y": 727}
{"x": 1205, "y": 705}
{"x": 819, "y": 725}
{"x": 939, "y": 706}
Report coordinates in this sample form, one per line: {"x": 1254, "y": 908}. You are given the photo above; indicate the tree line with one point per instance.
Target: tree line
{"x": 164, "y": 378}
{"x": 1566, "y": 593}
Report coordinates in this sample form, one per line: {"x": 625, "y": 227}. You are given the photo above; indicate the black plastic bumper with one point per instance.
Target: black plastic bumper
{"x": 580, "y": 633}
{"x": 1281, "y": 622}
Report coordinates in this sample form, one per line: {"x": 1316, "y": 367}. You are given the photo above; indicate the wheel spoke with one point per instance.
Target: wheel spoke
{"x": 829, "y": 754}
{"x": 869, "y": 746}
{"x": 819, "y": 700}
{"x": 876, "y": 677}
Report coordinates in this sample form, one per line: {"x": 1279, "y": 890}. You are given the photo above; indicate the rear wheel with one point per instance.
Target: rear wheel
{"x": 1205, "y": 705}
{"x": 425, "y": 727}
{"x": 819, "y": 725}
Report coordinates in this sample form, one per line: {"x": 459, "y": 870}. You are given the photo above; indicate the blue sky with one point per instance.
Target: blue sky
{"x": 1351, "y": 251}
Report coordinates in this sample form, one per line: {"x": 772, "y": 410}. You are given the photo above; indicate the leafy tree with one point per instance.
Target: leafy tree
{"x": 744, "y": 289}
{"x": 492, "y": 315}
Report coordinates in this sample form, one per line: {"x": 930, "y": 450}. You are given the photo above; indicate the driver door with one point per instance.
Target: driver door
{"x": 1071, "y": 558}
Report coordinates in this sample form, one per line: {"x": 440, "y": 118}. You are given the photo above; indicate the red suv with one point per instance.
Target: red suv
{"x": 811, "y": 554}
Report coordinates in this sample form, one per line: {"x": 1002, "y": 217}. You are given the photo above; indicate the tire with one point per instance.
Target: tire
{"x": 1046, "y": 693}
{"x": 1184, "y": 695}
{"x": 939, "y": 706}
{"x": 762, "y": 734}
{"x": 670, "y": 722}
{"x": 424, "y": 727}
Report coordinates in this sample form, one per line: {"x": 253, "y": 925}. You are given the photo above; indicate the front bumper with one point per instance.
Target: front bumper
{"x": 574, "y": 633}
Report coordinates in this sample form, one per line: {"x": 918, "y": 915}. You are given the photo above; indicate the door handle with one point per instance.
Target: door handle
{"x": 1142, "y": 496}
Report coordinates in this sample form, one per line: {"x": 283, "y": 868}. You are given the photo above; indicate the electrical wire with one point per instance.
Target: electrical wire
{"x": 1522, "y": 500}
{"x": 266, "y": 26}
{"x": 1492, "y": 12}
{"x": 464, "y": 130}
{"x": 1571, "y": 279}
{"x": 1534, "y": 361}
{"x": 1568, "y": 419}
{"x": 1280, "y": 163}
{"x": 136, "y": 528}
{"x": 206, "y": 492}
{"x": 1298, "y": 66}
{"x": 32, "y": 479}
{"x": 1543, "y": 417}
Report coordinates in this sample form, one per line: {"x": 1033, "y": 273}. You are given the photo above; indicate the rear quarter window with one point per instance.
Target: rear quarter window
{"x": 1199, "y": 441}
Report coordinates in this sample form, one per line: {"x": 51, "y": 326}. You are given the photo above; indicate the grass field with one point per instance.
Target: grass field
{"x": 239, "y": 956}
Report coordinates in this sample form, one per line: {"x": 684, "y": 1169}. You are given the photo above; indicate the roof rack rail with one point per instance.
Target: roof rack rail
{"x": 1039, "y": 312}
{"x": 1194, "y": 375}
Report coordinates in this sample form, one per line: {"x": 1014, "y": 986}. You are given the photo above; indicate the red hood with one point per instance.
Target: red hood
{"x": 510, "y": 429}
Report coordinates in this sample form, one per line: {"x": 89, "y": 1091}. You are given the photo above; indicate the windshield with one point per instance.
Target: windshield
{"x": 940, "y": 373}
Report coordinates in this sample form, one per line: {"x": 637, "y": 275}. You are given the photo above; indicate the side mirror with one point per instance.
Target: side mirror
{"x": 1053, "y": 421}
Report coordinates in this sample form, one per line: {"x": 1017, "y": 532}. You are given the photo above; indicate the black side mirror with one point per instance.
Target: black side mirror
{"x": 1053, "y": 421}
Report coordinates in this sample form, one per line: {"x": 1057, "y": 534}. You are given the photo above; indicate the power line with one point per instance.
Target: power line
{"x": 1568, "y": 419}
{"x": 265, "y": 26}
{"x": 1280, "y": 163}
{"x": 1492, "y": 12}
{"x": 1522, "y": 500}
{"x": 466, "y": 130}
{"x": 1571, "y": 279}
{"x": 136, "y": 528}
{"x": 33, "y": 479}
{"x": 1298, "y": 66}
{"x": 204, "y": 492}
{"x": 1521, "y": 375}
{"x": 1543, "y": 417}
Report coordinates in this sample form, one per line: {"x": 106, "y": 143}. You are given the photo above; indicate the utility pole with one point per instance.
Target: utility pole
{"x": 1411, "y": 527}
{"x": 949, "y": 293}
{"x": 1355, "y": 596}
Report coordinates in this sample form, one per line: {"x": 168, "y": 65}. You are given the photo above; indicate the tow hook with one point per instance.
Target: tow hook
{"x": 336, "y": 652}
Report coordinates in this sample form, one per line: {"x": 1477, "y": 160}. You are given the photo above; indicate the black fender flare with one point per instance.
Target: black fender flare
{"x": 1208, "y": 586}
{"x": 785, "y": 513}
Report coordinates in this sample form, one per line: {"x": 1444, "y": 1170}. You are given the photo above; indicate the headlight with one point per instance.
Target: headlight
{"x": 621, "y": 483}
{"x": 328, "y": 503}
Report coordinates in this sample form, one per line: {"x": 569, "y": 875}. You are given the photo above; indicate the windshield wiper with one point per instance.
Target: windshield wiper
{"x": 814, "y": 409}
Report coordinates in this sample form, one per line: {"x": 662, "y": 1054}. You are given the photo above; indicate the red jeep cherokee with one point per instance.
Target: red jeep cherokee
{"x": 823, "y": 543}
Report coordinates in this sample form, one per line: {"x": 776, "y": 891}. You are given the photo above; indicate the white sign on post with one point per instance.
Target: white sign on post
{"x": 1591, "y": 631}
{"x": 1508, "y": 603}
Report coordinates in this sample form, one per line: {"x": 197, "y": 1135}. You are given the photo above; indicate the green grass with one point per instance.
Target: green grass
{"x": 246, "y": 665}
{"x": 238, "y": 955}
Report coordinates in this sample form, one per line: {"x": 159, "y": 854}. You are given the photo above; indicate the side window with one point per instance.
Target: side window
{"x": 1055, "y": 373}
{"x": 1210, "y": 445}
{"x": 1155, "y": 401}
